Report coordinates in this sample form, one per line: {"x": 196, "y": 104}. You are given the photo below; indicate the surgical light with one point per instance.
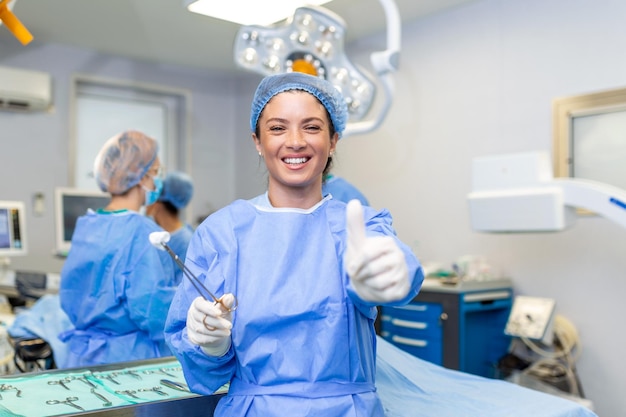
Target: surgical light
{"x": 246, "y": 12}
{"x": 312, "y": 41}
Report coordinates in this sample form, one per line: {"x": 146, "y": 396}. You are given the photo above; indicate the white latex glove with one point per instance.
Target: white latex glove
{"x": 376, "y": 265}
{"x": 209, "y": 324}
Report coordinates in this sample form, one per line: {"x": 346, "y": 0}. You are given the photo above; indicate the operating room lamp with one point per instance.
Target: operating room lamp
{"x": 312, "y": 41}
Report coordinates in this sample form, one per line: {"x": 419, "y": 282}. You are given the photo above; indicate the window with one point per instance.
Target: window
{"x": 590, "y": 137}
{"x": 103, "y": 108}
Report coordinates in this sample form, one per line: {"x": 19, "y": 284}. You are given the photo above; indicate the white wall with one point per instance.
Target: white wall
{"x": 480, "y": 80}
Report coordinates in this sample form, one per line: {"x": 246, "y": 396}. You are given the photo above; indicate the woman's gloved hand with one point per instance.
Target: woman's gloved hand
{"x": 376, "y": 265}
{"x": 209, "y": 324}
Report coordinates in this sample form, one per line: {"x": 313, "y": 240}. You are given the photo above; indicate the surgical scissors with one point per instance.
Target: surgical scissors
{"x": 60, "y": 382}
{"x": 69, "y": 401}
{"x": 159, "y": 239}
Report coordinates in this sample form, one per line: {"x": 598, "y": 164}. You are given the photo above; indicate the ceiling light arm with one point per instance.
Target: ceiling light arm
{"x": 385, "y": 63}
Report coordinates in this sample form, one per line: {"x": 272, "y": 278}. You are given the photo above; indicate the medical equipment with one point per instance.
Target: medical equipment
{"x": 174, "y": 385}
{"x": 154, "y": 389}
{"x": 518, "y": 193}
{"x": 12, "y": 230}
{"x": 159, "y": 240}
{"x": 69, "y": 401}
{"x": 61, "y": 382}
{"x": 70, "y": 204}
{"x": 404, "y": 382}
{"x": 312, "y": 41}
{"x": 7, "y": 387}
{"x": 129, "y": 392}
{"x": 547, "y": 364}
{"x": 532, "y": 318}
{"x": 105, "y": 401}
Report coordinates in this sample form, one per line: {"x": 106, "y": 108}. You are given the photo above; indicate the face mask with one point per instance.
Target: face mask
{"x": 153, "y": 195}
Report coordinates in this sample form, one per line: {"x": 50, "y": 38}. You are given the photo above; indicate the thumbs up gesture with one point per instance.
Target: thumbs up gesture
{"x": 376, "y": 265}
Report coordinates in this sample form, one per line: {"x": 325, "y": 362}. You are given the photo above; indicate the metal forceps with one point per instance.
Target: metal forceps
{"x": 60, "y": 382}
{"x": 69, "y": 401}
{"x": 159, "y": 240}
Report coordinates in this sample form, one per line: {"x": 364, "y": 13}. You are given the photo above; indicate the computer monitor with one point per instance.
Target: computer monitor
{"x": 70, "y": 204}
{"x": 12, "y": 228}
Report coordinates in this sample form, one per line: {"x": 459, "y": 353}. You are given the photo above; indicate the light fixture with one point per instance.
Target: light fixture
{"x": 247, "y": 12}
{"x": 13, "y": 23}
{"x": 312, "y": 41}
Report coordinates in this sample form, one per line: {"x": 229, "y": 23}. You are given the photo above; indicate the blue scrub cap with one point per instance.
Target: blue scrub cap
{"x": 177, "y": 189}
{"x": 321, "y": 89}
{"x": 124, "y": 160}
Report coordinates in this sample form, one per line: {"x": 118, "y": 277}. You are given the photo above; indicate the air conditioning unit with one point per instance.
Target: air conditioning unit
{"x": 24, "y": 90}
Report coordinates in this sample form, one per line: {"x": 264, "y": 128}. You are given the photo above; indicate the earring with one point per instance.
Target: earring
{"x": 260, "y": 154}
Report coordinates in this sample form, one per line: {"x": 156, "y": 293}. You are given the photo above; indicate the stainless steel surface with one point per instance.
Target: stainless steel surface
{"x": 202, "y": 406}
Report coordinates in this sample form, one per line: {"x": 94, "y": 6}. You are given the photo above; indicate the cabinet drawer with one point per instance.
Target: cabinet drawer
{"x": 421, "y": 323}
{"x": 415, "y": 311}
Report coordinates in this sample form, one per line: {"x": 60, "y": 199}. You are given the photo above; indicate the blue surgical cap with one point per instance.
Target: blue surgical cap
{"x": 177, "y": 189}
{"x": 124, "y": 160}
{"x": 321, "y": 89}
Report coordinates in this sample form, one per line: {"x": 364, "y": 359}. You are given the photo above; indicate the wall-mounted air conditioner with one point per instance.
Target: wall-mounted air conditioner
{"x": 25, "y": 90}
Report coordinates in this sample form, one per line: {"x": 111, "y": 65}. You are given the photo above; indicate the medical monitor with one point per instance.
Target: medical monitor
{"x": 12, "y": 228}
{"x": 70, "y": 204}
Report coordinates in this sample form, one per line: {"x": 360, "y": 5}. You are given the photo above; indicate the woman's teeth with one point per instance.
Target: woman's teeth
{"x": 295, "y": 160}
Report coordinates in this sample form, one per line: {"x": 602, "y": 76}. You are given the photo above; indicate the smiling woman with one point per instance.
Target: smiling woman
{"x": 307, "y": 271}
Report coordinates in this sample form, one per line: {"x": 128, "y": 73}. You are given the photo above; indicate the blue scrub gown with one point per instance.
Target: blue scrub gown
{"x": 179, "y": 241}
{"x": 342, "y": 190}
{"x": 303, "y": 343}
{"x": 116, "y": 289}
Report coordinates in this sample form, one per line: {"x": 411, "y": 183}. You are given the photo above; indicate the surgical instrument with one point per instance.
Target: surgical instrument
{"x": 6, "y": 387}
{"x": 110, "y": 377}
{"x": 60, "y": 382}
{"x": 174, "y": 385}
{"x": 84, "y": 379}
{"x": 132, "y": 373}
{"x": 160, "y": 371}
{"x": 129, "y": 392}
{"x": 154, "y": 389}
{"x": 106, "y": 402}
{"x": 69, "y": 401}
{"x": 159, "y": 240}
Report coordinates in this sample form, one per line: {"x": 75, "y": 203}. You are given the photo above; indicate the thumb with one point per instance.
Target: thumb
{"x": 355, "y": 226}
{"x": 227, "y": 300}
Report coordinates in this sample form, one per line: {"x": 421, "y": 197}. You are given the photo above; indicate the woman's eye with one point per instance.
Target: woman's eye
{"x": 276, "y": 128}
{"x": 312, "y": 127}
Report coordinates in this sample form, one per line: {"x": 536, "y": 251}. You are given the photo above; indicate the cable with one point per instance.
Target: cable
{"x": 558, "y": 364}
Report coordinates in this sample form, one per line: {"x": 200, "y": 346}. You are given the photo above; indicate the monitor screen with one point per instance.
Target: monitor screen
{"x": 12, "y": 228}
{"x": 71, "y": 203}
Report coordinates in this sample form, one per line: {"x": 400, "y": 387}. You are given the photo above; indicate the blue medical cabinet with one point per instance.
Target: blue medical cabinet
{"x": 459, "y": 326}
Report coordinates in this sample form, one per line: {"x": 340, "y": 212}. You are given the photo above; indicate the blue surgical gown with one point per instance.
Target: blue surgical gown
{"x": 179, "y": 241}
{"x": 303, "y": 343}
{"x": 116, "y": 289}
{"x": 342, "y": 190}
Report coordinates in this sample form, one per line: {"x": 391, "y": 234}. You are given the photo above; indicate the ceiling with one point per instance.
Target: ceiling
{"x": 164, "y": 32}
